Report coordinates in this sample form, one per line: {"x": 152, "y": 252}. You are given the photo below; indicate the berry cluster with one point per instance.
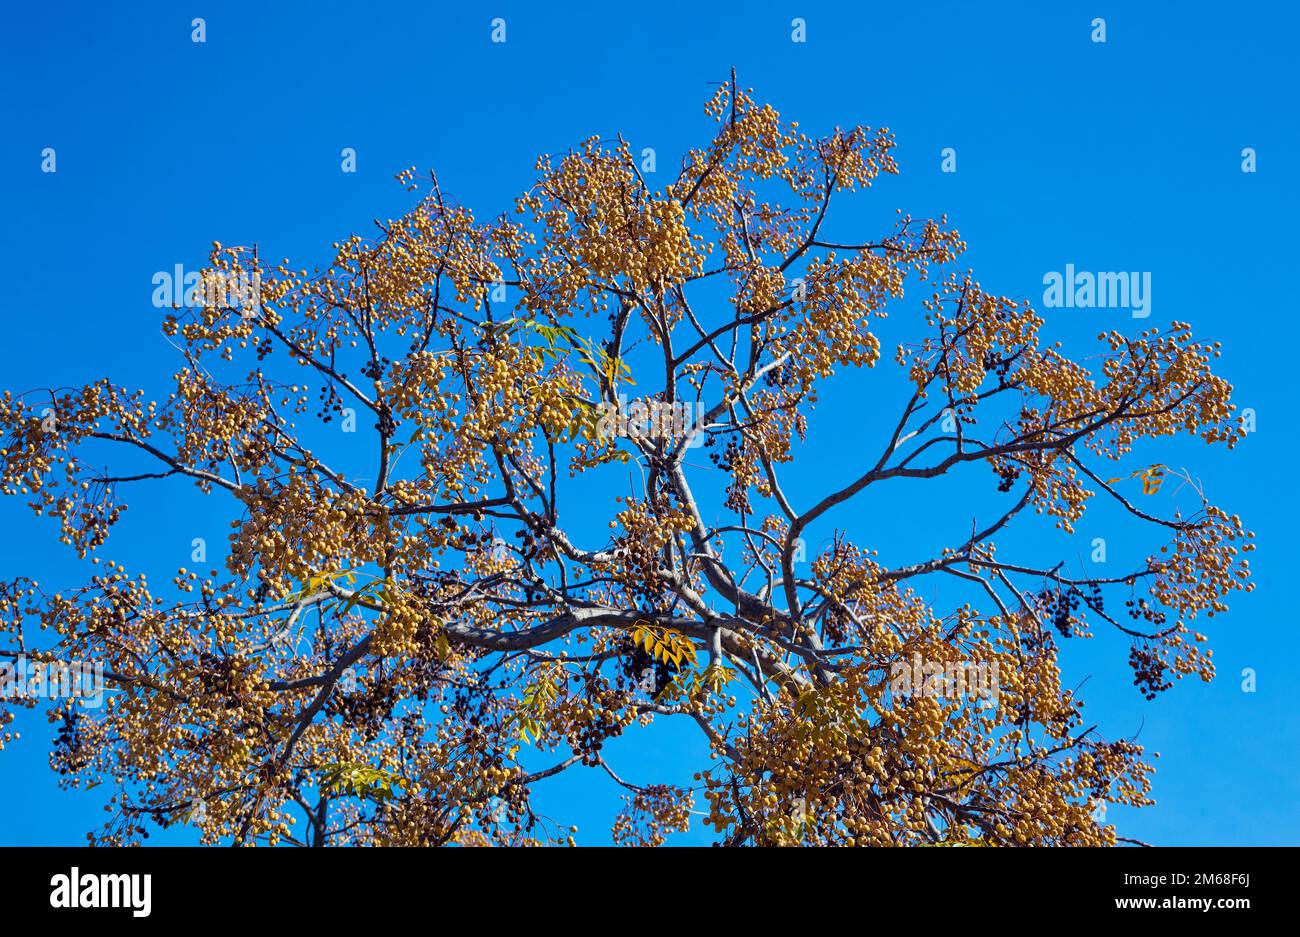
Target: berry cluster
{"x": 68, "y": 755}
{"x": 782, "y": 376}
{"x": 1148, "y": 671}
{"x": 375, "y": 367}
{"x": 637, "y": 662}
{"x": 725, "y": 459}
{"x": 1008, "y": 472}
{"x": 1141, "y": 609}
{"x": 368, "y": 709}
{"x": 999, "y": 366}
{"x": 1067, "y": 600}
{"x": 330, "y": 403}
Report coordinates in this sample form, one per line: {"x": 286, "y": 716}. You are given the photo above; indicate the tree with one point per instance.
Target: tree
{"x": 418, "y": 622}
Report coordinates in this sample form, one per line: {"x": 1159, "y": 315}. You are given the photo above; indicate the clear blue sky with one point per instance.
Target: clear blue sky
{"x": 1117, "y": 156}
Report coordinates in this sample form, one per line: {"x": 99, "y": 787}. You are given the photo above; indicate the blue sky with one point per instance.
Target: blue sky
{"x": 1117, "y": 156}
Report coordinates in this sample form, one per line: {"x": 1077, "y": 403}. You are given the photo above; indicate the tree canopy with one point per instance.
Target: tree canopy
{"x": 419, "y": 621}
